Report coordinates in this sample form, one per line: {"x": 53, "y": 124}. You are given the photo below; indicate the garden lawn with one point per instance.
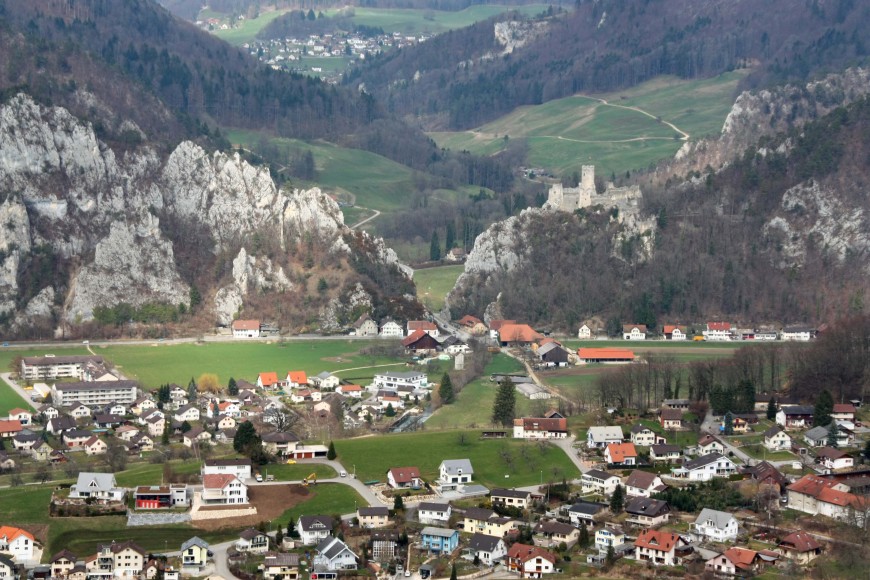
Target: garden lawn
{"x": 152, "y": 473}
{"x": 681, "y": 438}
{"x": 27, "y": 504}
{"x": 761, "y": 452}
{"x": 162, "y": 363}
{"x": 329, "y": 499}
{"x": 374, "y": 456}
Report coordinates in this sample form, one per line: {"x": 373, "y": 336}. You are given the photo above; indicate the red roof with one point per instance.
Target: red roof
{"x": 838, "y": 408}
{"x": 619, "y": 451}
{"x": 13, "y": 426}
{"x": 497, "y": 324}
{"x": 657, "y": 540}
{"x": 524, "y": 552}
{"x": 800, "y": 541}
{"x": 350, "y": 388}
{"x": 297, "y": 377}
{"x": 246, "y": 325}
{"x": 518, "y": 333}
{"x": 719, "y": 326}
{"x": 542, "y": 424}
{"x": 421, "y": 325}
{"x": 812, "y": 485}
{"x": 10, "y": 533}
{"x": 405, "y": 474}
{"x": 268, "y": 379}
{"x": 605, "y": 353}
{"x": 217, "y": 480}
{"x": 413, "y": 337}
{"x": 741, "y": 557}
{"x": 670, "y": 328}
{"x": 19, "y": 411}
{"x": 469, "y": 320}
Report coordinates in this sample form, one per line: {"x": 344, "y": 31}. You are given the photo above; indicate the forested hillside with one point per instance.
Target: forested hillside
{"x": 461, "y": 79}
{"x": 779, "y": 235}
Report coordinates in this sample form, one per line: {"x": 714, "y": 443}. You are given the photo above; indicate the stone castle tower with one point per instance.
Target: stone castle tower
{"x": 572, "y": 198}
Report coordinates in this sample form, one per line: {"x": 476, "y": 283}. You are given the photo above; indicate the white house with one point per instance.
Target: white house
{"x": 246, "y": 328}
{"x": 429, "y": 328}
{"x": 643, "y": 436}
{"x": 657, "y": 547}
{"x": 326, "y": 381}
{"x": 23, "y": 416}
{"x": 706, "y": 467}
{"x": 187, "y": 413}
{"x": 601, "y": 437}
{"x": 584, "y": 333}
{"x": 333, "y": 554}
{"x": 600, "y": 482}
{"x": 18, "y": 543}
{"x": 834, "y": 459}
{"x": 798, "y": 333}
{"x": 395, "y": 379}
{"x": 313, "y": 529}
{"x": 634, "y": 331}
{"x": 489, "y": 549}
{"x": 717, "y": 331}
{"x": 391, "y": 329}
{"x": 241, "y": 468}
{"x": 776, "y": 439}
{"x": 354, "y": 391}
{"x": 716, "y": 526}
{"x": 98, "y": 486}
{"x": 453, "y": 472}
{"x": 674, "y": 332}
{"x": 432, "y": 513}
{"x": 709, "y": 444}
{"x": 608, "y": 536}
{"x": 643, "y": 484}
{"x": 223, "y": 489}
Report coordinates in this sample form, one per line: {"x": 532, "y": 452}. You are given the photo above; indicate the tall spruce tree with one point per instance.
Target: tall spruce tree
{"x": 728, "y": 421}
{"x": 435, "y": 248}
{"x": 832, "y": 434}
{"x": 445, "y": 391}
{"x": 232, "y": 387}
{"x": 772, "y": 409}
{"x": 504, "y": 408}
{"x": 617, "y": 500}
{"x": 823, "y": 409}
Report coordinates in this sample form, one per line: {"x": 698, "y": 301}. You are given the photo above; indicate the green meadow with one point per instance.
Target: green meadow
{"x": 373, "y": 456}
{"x": 9, "y": 399}
{"x": 433, "y": 284}
{"x": 328, "y": 499}
{"x": 564, "y": 133}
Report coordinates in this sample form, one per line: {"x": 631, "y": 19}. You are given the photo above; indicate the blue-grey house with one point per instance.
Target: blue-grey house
{"x": 440, "y": 540}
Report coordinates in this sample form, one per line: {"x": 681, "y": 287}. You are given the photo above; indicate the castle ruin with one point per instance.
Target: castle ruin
{"x": 626, "y": 199}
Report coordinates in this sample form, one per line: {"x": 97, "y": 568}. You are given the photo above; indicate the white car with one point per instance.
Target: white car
{"x": 342, "y": 473}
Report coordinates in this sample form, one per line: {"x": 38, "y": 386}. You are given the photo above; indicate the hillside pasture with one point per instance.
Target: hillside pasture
{"x": 433, "y": 284}
{"x": 524, "y": 462}
{"x": 605, "y": 129}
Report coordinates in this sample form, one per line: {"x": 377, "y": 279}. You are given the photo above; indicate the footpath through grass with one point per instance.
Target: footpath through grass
{"x": 525, "y": 463}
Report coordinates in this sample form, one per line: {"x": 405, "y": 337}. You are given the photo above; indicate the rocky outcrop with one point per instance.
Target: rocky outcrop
{"x": 134, "y": 264}
{"x": 100, "y": 211}
{"x": 813, "y": 213}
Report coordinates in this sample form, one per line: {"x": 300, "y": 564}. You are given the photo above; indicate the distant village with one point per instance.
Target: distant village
{"x": 653, "y": 492}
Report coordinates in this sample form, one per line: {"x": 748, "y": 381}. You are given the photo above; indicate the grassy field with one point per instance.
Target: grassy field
{"x": 373, "y": 456}
{"x": 329, "y": 499}
{"x": 405, "y": 21}
{"x": 562, "y": 132}
{"x": 158, "y": 364}
{"x": 10, "y": 399}
{"x": 371, "y": 180}
{"x": 299, "y": 471}
{"x": 433, "y": 284}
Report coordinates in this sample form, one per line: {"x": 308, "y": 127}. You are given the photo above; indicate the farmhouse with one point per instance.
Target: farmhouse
{"x": 420, "y": 342}
{"x": 634, "y": 331}
{"x": 517, "y": 335}
{"x": 365, "y": 326}
{"x": 540, "y": 428}
{"x": 391, "y": 328}
{"x": 246, "y": 328}
{"x": 673, "y": 332}
{"x": 427, "y": 327}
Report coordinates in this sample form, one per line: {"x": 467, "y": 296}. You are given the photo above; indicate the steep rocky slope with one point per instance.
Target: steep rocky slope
{"x": 85, "y": 229}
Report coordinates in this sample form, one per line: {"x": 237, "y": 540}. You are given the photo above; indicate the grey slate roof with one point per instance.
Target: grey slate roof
{"x": 587, "y": 508}
{"x": 438, "y": 532}
{"x": 453, "y": 466}
{"x": 194, "y": 541}
{"x": 483, "y": 543}
{"x": 315, "y": 522}
{"x": 720, "y": 519}
{"x": 703, "y": 460}
{"x": 647, "y": 506}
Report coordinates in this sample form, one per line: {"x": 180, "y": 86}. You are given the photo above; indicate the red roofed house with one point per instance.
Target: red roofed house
{"x": 658, "y": 547}
{"x": 354, "y": 391}
{"x": 834, "y": 458}
{"x": 621, "y": 454}
{"x": 530, "y": 561}
{"x": 268, "y": 381}
{"x": 25, "y": 417}
{"x": 401, "y": 477}
{"x": 296, "y": 379}
{"x": 495, "y": 326}
{"x": 800, "y": 547}
{"x": 634, "y": 331}
{"x": 673, "y": 332}
{"x": 17, "y": 543}
{"x": 246, "y": 328}
{"x": 717, "y": 331}
{"x": 518, "y": 334}
{"x": 420, "y": 341}
{"x": 816, "y": 495}
{"x": 223, "y": 489}
{"x": 10, "y": 428}
{"x": 841, "y": 412}
{"x": 429, "y": 328}
{"x": 734, "y": 560}
{"x": 605, "y": 355}
{"x": 540, "y": 428}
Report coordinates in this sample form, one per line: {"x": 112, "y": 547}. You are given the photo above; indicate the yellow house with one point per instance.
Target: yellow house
{"x": 194, "y": 553}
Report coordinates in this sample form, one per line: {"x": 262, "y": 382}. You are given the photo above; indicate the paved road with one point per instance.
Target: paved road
{"x": 567, "y": 445}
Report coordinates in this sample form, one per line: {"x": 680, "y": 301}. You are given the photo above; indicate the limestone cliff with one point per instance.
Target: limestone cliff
{"x": 115, "y": 224}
